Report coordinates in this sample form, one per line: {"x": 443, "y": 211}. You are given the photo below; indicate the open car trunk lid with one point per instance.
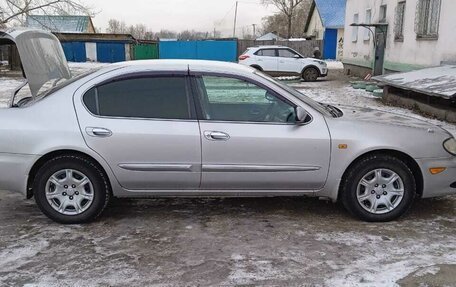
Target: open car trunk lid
{"x": 41, "y": 54}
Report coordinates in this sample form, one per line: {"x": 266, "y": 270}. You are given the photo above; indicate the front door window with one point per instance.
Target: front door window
{"x": 230, "y": 99}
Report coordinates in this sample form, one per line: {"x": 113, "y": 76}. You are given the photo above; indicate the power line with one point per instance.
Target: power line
{"x": 227, "y": 13}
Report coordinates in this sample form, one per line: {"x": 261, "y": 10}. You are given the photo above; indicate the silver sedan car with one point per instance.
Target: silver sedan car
{"x": 198, "y": 128}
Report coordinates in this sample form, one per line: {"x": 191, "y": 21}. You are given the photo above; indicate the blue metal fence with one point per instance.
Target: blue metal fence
{"x": 199, "y": 50}
{"x": 74, "y": 51}
{"x": 111, "y": 52}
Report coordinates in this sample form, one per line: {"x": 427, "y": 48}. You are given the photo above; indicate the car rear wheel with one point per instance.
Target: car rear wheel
{"x": 71, "y": 190}
{"x": 310, "y": 74}
{"x": 378, "y": 188}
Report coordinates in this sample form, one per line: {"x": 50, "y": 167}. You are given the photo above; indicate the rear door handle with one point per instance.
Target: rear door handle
{"x": 216, "y": 136}
{"x": 98, "y": 132}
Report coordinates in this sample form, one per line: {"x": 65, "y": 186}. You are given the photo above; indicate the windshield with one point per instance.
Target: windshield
{"x": 314, "y": 104}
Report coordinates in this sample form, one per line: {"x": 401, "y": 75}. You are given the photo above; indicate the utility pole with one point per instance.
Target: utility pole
{"x": 254, "y": 30}
{"x": 235, "y": 19}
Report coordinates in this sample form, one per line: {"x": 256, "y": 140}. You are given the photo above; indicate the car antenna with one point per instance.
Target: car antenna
{"x": 188, "y": 70}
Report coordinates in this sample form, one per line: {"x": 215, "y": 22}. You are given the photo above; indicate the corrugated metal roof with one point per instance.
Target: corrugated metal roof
{"x": 57, "y": 23}
{"x": 332, "y": 12}
{"x": 437, "y": 81}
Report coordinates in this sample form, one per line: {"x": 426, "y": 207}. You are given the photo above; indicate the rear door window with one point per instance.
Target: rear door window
{"x": 266, "y": 53}
{"x": 143, "y": 97}
{"x": 285, "y": 53}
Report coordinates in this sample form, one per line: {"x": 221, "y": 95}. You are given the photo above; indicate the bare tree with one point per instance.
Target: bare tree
{"x": 192, "y": 35}
{"x": 166, "y": 34}
{"x": 247, "y": 33}
{"x": 142, "y": 32}
{"x": 288, "y": 9}
{"x": 17, "y": 10}
{"x": 138, "y": 31}
{"x": 116, "y": 27}
{"x": 278, "y": 22}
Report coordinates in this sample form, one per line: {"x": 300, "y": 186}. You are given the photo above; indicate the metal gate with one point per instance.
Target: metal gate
{"x": 74, "y": 51}
{"x": 145, "y": 51}
{"x": 110, "y": 52}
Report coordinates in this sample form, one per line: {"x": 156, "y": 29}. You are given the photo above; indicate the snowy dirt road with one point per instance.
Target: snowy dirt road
{"x": 232, "y": 242}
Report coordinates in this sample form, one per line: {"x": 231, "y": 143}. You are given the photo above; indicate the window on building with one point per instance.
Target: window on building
{"x": 368, "y": 21}
{"x": 355, "y": 28}
{"x": 399, "y": 21}
{"x": 427, "y": 18}
{"x": 148, "y": 97}
{"x": 382, "y": 16}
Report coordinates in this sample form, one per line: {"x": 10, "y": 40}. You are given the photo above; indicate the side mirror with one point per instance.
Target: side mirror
{"x": 301, "y": 115}
{"x": 297, "y": 57}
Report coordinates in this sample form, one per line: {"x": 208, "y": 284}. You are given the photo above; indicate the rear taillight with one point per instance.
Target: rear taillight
{"x": 243, "y": 57}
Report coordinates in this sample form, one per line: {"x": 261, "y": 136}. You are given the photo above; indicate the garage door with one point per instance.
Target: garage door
{"x": 110, "y": 52}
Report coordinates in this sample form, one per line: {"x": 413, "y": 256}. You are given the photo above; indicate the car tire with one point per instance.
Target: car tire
{"x": 371, "y": 192}
{"x": 71, "y": 189}
{"x": 310, "y": 74}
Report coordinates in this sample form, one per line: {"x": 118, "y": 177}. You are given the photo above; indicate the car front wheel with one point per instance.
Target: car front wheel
{"x": 310, "y": 74}
{"x": 71, "y": 190}
{"x": 378, "y": 188}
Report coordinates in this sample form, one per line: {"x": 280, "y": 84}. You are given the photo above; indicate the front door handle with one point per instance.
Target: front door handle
{"x": 216, "y": 136}
{"x": 98, "y": 132}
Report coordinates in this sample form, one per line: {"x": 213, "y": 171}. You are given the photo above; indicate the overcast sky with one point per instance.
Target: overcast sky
{"x": 179, "y": 15}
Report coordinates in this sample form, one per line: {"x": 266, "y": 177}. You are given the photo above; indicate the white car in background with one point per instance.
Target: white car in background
{"x": 283, "y": 61}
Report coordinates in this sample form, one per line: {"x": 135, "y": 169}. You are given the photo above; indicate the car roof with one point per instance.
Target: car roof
{"x": 270, "y": 47}
{"x": 183, "y": 65}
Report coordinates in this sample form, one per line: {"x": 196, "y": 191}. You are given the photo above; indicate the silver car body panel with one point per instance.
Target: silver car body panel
{"x": 258, "y": 159}
{"x": 266, "y": 156}
{"x": 144, "y": 154}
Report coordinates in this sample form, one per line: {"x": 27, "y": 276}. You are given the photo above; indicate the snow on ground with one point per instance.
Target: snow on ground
{"x": 7, "y": 87}
{"x": 226, "y": 242}
{"x": 334, "y": 65}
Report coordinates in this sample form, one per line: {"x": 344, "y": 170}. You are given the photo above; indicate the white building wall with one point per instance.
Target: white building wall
{"x": 91, "y": 51}
{"x": 128, "y": 52}
{"x": 316, "y": 26}
{"x": 409, "y": 54}
{"x": 340, "y": 44}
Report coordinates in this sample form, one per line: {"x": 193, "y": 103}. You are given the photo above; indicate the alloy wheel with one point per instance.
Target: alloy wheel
{"x": 380, "y": 191}
{"x": 69, "y": 192}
